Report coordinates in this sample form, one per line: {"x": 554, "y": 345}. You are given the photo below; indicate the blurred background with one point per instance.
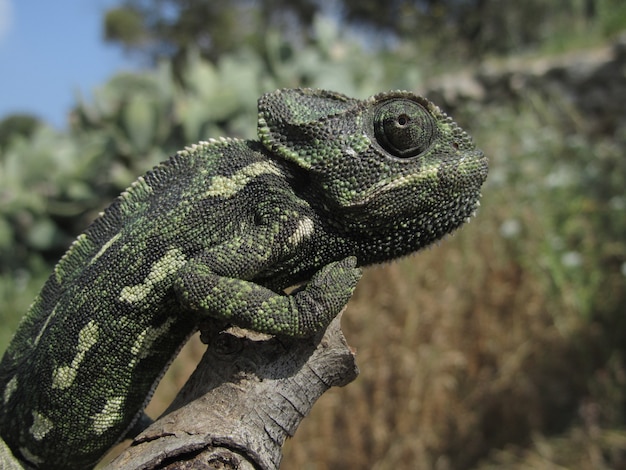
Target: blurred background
{"x": 502, "y": 346}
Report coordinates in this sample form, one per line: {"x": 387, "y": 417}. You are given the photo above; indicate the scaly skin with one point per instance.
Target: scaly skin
{"x": 219, "y": 231}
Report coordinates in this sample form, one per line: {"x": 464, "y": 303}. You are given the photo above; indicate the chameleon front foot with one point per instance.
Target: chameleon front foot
{"x": 250, "y": 305}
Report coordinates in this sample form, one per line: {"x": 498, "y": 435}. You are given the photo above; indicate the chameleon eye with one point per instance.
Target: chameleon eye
{"x": 404, "y": 128}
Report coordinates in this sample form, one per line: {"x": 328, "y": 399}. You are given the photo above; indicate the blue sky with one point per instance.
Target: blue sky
{"x": 50, "y": 50}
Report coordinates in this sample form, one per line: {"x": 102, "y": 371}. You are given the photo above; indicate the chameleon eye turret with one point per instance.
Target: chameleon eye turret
{"x": 404, "y": 128}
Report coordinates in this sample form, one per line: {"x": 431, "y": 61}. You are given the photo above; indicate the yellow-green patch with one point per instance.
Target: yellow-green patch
{"x": 45, "y": 325}
{"x": 145, "y": 339}
{"x": 10, "y": 388}
{"x": 303, "y": 231}
{"x": 428, "y": 173}
{"x": 136, "y": 197}
{"x": 76, "y": 254}
{"x": 63, "y": 376}
{"x": 41, "y": 426}
{"x": 171, "y": 262}
{"x": 110, "y": 415}
{"x": 105, "y": 247}
{"x": 228, "y": 186}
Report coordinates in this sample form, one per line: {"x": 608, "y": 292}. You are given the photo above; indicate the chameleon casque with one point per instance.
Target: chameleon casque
{"x": 220, "y": 230}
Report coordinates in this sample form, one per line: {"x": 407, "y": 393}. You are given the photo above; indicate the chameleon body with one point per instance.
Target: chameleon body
{"x": 220, "y": 230}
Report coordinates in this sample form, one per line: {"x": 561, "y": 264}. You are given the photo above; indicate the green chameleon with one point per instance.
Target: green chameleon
{"x": 220, "y": 230}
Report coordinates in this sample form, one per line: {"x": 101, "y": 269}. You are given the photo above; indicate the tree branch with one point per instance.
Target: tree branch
{"x": 248, "y": 394}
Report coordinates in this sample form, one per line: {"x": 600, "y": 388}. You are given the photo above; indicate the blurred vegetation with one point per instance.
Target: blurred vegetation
{"x": 504, "y": 346}
{"x": 458, "y": 30}
{"x": 15, "y": 126}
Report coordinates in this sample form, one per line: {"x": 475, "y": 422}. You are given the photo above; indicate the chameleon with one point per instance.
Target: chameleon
{"x": 220, "y": 231}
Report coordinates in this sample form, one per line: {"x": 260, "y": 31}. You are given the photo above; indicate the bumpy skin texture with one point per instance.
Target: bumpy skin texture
{"x": 219, "y": 230}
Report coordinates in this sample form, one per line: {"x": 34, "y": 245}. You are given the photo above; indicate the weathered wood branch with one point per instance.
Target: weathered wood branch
{"x": 248, "y": 394}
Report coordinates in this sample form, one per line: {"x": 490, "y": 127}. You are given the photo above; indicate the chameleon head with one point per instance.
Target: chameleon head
{"x": 394, "y": 158}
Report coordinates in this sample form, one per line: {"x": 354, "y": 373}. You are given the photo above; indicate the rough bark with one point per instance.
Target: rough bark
{"x": 248, "y": 394}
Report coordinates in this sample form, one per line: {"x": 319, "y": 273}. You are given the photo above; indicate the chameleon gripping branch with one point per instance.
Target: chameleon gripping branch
{"x": 246, "y": 397}
{"x": 218, "y": 231}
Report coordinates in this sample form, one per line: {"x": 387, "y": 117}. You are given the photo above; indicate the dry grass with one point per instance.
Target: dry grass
{"x": 457, "y": 354}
